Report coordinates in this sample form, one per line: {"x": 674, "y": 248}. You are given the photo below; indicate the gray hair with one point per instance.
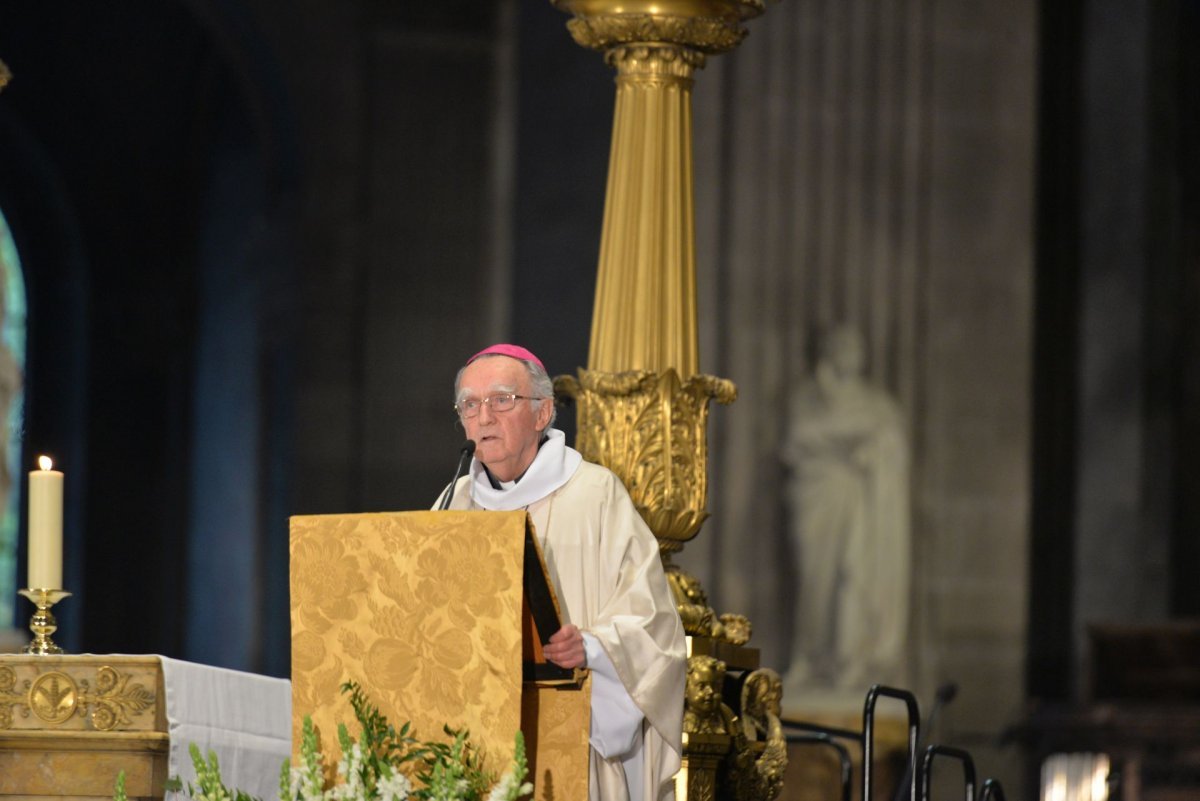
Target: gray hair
{"x": 541, "y": 383}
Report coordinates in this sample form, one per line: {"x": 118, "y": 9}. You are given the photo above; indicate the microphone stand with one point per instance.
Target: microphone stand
{"x": 467, "y": 451}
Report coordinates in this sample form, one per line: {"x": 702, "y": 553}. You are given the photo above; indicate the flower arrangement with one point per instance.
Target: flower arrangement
{"x": 370, "y": 768}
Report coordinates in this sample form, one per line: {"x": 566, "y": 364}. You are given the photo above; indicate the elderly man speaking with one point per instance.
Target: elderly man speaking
{"x": 620, "y": 620}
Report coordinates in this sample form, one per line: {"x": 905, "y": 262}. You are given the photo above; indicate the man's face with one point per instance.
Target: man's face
{"x": 506, "y": 442}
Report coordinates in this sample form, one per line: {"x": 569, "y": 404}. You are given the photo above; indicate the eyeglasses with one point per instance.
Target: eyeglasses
{"x": 503, "y": 402}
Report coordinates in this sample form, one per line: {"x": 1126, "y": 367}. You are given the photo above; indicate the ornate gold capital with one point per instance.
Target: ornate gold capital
{"x": 654, "y": 64}
{"x": 703, "y": 26}
{"x": 650, "y": 429}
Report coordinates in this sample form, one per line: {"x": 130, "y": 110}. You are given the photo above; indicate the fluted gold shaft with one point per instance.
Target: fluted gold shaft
{"x": 645, "y": 309}
{"x": 644, "y": 316}
{"x": 642, "y": 404}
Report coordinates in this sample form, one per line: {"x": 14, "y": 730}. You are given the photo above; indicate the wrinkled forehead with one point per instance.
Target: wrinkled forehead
{"x": 493, "y": 374}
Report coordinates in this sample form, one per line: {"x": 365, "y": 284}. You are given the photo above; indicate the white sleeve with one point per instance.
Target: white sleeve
{"x": 616, "y": 719}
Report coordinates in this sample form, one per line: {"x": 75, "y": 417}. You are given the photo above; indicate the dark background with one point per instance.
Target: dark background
{"x": 258, "y": 242}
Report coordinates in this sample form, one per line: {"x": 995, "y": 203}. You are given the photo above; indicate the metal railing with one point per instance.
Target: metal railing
{"x": 916, "y": 782}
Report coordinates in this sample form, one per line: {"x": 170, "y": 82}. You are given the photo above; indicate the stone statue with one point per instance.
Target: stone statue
{"x": 849, "y": 495}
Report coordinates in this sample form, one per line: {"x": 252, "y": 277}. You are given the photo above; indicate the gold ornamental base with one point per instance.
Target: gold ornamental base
{"x": 43, "y": 624}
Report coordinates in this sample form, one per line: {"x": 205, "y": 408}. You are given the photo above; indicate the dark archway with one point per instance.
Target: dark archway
{"x": 148, "y": 177}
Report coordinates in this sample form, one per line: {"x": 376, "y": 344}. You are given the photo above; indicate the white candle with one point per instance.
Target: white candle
{"x": 45, "y": 526}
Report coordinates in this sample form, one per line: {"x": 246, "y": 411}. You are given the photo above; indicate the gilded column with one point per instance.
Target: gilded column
{"x": 645, "y": 308}
{"x": 642, "y": 405}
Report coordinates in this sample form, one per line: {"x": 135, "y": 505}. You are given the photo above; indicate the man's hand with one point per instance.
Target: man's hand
{"x": 565, "y": 648}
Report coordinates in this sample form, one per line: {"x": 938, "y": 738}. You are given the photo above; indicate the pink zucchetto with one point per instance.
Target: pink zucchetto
{"x": 514, "y": 351}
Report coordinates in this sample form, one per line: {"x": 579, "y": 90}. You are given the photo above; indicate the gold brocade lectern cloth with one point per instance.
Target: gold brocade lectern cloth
{"x": 423, "y": 609}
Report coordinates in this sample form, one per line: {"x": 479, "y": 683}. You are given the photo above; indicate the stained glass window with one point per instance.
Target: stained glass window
{"x": 12, "y": 407}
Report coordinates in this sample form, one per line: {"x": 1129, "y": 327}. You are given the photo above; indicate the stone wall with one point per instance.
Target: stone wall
{"x": 876, "y": 166}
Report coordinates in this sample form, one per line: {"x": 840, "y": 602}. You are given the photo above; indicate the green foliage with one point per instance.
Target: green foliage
{"x": 119, "y": 788}
{"x": 379, "y": 740}
{"x": 452, "y": 771}
{"x": 371, "y": 766}
{"x": 209, "y": 786}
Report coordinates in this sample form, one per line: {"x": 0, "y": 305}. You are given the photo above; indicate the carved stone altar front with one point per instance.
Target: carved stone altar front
{"x": 70, "y": 724}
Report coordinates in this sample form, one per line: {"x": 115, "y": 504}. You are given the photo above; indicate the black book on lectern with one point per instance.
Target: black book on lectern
{"x": 540, "y": 619}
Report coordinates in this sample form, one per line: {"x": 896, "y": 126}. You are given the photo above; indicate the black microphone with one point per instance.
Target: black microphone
{"x": 468, "y": 450}
{"x": 944, "y": 695}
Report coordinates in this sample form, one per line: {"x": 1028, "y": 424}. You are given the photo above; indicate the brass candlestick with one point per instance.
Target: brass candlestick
{"x": 43, "y": 624}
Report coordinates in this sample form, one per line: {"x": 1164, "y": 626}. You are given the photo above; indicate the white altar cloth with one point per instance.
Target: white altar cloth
{"x": 244, "y": 718}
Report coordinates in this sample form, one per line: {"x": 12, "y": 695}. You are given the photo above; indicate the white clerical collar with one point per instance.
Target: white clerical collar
{"x": 553, "y": 466}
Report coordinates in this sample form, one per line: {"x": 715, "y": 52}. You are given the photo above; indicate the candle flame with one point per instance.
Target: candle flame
{"x": 45, "y": 462}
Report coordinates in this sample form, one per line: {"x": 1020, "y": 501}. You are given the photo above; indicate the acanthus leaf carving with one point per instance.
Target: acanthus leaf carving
{"x": 650, "y": 429}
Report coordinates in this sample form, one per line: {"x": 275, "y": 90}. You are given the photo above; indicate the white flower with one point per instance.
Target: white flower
{"x": 305, "y": 786}
{"x": 506, "y": 789}
{"x": 345, "y": 792}
{"x": 394, "y": 786}
{"x": 373, "y": 774}
{"x": 349, "y": 768}
{"x": 450, "y": 791}
{"x": 500, "y": 791}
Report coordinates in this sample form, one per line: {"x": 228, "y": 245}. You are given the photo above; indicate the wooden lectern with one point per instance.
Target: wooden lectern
{"x": 440, "y": 617}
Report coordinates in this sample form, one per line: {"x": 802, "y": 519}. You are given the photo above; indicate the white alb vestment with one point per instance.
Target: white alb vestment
{"x": 605, "y": 566}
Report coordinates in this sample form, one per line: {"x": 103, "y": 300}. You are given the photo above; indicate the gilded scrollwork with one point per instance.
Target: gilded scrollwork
{"x": 762, "y": 698}
{"x": 702, "y": 785}
{"x": 113, "y": 701}
{"x": 10, "y": 697}
{"x": 700, "y": 619}
{"x": 737, "y": 628}
{"x": 56, "y": 696}
{"x": 665, "y": 62}
{"x": 755, "y": 764}
{"x": 710, "y": 26}
{"x": 759, "y": 756}
{"x": 702, "y": 34}
{"x": 650, "y": 429}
